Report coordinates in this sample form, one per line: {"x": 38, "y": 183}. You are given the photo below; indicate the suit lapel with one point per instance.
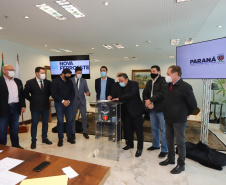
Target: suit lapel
{"x": 4, "y": 85}
{"x": 37, "y": 85}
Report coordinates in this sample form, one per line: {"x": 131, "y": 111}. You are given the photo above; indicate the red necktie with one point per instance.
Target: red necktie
{"x": 171, "y": 86}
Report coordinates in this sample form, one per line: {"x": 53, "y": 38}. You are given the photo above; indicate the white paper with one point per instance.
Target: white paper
{"x": 10, "y": 178}
{"x": 1, "y": 151}
{"x": 103, "y": 101}
{"x": 70, "y": 172}
{"x": 9, "y": 163}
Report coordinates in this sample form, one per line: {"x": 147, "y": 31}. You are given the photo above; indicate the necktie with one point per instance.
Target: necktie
{"x": 77, "y": 81}
{"x": 171, "y": 86}
{"x": 42, "y": 87}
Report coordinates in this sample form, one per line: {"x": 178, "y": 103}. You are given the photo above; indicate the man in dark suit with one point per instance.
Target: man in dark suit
{"x": 63, "y": 93}
{"x": 38, "y": 91}
{"x": 132, "y": 110}
{"x": 103, "y": 87}
{"x": 179, "y": 103}
{"x": 12, "y": 104}
{"x": 154, "y": 95}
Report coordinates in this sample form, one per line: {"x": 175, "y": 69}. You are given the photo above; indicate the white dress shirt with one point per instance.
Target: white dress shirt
{"x": 13, "y": 90}
{"x": 78, "y": 81}
{"x": 39, "y": 82}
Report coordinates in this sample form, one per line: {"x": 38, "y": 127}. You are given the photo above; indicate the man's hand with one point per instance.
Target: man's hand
{"x": 23, "y": 109}
{"x": 115, "y": 99}
{"x": 147, "y": 102}
{"x": 66, "y": 103}
{"x": 150, "y": 106}
{"x": 109, "y": 97}
{"x": 87, "y": 93}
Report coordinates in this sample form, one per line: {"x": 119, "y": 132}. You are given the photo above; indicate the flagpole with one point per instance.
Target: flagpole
{"x": 22, "y": 112}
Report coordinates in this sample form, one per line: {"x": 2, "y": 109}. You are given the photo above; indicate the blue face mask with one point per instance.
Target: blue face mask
{"x": 122, "y": 84}
{"x": 103, "y": 74}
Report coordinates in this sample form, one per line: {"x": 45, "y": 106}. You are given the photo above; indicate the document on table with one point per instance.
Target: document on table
{"x": 69, "y": 172}
{"x": 56, "y": 180}
{"x": 1, "y": 151}
{"x": 8, "y": 163}
{"x": 10, "y": 178}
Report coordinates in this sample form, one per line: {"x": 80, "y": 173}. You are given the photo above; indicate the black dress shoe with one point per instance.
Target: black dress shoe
{"x": 138, "y": 153}
{"x": 166, "y": 162}
{"x": 60, "y": 142}
{"x": 33, "y": 144}
{"x": 86, "y": 135}
{"x": 19, "y": 147}
{"x": 162, "y": 155}
{"x": 71, "y": 140}
{"x": 178, "y": 169}
{"x": 127, "y": 147}
{"x": 47, "y": 141}
{"x": 152, "y": 148}
{"x": 73, "y": 136}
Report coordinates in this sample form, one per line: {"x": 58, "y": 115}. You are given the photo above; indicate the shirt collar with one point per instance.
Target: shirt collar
{"x": 104, "y": 79}
{"x": 7, "y": 78}
{"x": 176, "y": 81}
{"x": 38, "y": 79}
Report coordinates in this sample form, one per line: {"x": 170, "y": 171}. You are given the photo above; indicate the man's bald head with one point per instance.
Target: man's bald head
{"x": 6, "y": 68}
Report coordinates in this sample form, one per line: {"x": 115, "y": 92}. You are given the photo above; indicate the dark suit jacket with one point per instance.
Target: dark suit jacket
{"x": 179, "y": 102}
{"x": 110, "y": 82}
{"x": 38, "y": 100}
{"x": 131, "y": 98}
{"x": 159, "y": 91}
{"x": 4, "y": 95}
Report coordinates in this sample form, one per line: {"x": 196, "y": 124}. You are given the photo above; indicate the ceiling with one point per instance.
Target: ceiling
{"x": 128, "y": 22}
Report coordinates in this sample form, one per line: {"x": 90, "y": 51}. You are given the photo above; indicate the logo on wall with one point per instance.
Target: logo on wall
{"x": 220, "y": 57}
{"x": 54, "y": 65}
{"x": 105, "y": 115}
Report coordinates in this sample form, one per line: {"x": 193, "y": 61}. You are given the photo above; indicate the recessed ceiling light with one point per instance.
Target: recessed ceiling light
{"x": 126, "y": 58}
{"x": 171, "y": 56}
{"x": 26, "y": 17}
{"x": 65, "y": 50}
{"x": 70, "y": 8}
{"x": 137, "y": 45}
{"x": 55, "y": 50}
{"x": 134, "y": 58}
{"x": 45, "y": 45}
{"x": 107, "y": 46}
{"x": 92, "y": 48}
{"x": 189, "y": 40}
{"x": 219, "y": 26}
{"x": 148, "y": 41}
{"x": 1, "y": 28}
{"x": 179, "y": 1}
{"x": 106, "y": 3}
{"x": 174, "y": 41}
{"x": 51, "y": 11}
{"x": 119, "y": 46}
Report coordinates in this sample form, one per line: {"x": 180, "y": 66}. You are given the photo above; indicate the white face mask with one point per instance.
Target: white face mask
{"x": 42, "y": 76}
{"x": 168, "y": 79}
{"x": 11, "y": 74}
{"x": 79, "y": 76}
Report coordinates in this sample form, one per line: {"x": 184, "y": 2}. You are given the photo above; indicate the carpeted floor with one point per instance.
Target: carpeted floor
{"x": 192, "y": 133}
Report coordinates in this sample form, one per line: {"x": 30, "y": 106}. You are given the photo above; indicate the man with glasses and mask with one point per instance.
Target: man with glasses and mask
{"x": 12, "y": 104}
{"x": 38, "y": 91}
{"x": 154, "y": 95}
{"x": 63, "y": 94}
{"x": 179, "y": 103}
{"x": 132, "y": 109}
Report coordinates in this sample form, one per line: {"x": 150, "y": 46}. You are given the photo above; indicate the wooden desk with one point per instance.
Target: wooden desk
{"x": 88, "y": 173}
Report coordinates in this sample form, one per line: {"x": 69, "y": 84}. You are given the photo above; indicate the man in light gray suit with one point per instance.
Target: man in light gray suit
{"x": 79, "y": 102}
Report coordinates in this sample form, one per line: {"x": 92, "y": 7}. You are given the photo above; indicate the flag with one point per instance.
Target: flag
{"x": 17, "y": 68}
{"x": 1, "y": 72}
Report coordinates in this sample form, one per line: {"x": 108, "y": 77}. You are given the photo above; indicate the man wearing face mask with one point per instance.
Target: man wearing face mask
{"x": 38, "y": 91}
{"x": 132, "y": 109}
{"x": 81, "y": 89}
{"x": 154, "y": 95}
{"x": 179, "y": 103}
{"x": 63, "y": 94}
{"x": 12, "y": 104}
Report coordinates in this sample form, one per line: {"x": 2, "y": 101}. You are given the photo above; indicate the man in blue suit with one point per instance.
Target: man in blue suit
{"x": 79, "y": 102}
{"x": 103, "y": 87}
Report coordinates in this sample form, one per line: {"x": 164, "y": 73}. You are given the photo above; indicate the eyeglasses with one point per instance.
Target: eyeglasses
{"x": 10, "y": 70}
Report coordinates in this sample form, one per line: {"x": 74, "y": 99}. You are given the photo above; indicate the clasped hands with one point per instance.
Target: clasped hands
{"x": 149, "y": 104}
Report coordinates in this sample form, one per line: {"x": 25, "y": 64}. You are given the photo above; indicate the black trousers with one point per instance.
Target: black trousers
{"x": 130, "y": 124}
{"x": 178, "y": 130}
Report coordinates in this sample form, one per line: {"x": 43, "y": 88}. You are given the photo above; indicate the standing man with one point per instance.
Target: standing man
{"x": 132, "y": 110}
{"x": 63, "y": 93}
{"x": 154, "y": 95}
{"x": 79, "y": 102}
{"x": 38, "y": 91}
{"x": 12, "y": 104}
{"x": 179, "y": 103}
{"x": 103, "y": 87}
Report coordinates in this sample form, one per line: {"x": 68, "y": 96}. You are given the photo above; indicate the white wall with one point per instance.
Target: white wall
{"x": 29, "y": 59}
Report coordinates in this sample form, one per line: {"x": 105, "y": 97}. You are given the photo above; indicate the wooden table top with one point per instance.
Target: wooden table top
{"x": 90, "y": 174}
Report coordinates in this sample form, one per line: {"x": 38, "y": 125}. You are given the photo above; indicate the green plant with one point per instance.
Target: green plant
{"x": 222, "y": 89}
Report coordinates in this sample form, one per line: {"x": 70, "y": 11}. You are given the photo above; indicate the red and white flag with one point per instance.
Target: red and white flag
{"x": 17, "y": 68}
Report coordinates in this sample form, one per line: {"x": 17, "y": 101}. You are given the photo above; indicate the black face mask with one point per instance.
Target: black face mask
{"x": 67, "y": 78}
{"x": 153, "y": 76}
